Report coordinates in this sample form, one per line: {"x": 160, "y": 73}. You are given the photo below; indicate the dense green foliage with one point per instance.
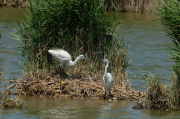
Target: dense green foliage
{"x": 78, "y": 26}
{"x": 170, "y": 17}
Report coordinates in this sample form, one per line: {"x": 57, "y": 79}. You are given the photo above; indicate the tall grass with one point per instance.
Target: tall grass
{"x": 175, "y": 53}
{"x": 77, "y": 26}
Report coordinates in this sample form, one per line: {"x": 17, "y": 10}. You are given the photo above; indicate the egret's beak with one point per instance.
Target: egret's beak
{"x": 87, "y": 58}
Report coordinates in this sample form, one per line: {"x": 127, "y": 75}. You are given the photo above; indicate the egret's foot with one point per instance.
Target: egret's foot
{"x": 63, "y": 81}
{"x": 109, "y": 100}
{"x": 111, "y": 95}
{"x": 68, "y": 74}
{"x": 105, "y": 95}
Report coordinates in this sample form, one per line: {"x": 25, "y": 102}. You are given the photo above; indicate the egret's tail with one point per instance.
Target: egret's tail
{"x": 50, "y": 51}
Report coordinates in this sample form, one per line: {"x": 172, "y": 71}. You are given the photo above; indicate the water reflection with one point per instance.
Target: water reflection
{"x": 73, "y": 108}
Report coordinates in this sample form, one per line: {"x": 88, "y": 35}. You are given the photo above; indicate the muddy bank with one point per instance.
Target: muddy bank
{"x": 53, "y": 85}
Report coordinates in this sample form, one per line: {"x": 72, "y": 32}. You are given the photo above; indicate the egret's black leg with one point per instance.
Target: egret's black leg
{"x": 105, "y": 95}
{"x": 60, "y": 70}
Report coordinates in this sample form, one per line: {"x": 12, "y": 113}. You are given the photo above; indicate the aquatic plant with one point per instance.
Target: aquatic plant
{"x": 175, "y": 53}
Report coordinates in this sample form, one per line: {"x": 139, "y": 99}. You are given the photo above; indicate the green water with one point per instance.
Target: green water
{"x": 147, "y": 52}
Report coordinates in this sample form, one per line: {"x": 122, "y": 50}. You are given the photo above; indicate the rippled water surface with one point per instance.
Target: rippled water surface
{"x": 54, "y": 108}
{"x": 147, "y": 52}
{"x": 9, "y": 54}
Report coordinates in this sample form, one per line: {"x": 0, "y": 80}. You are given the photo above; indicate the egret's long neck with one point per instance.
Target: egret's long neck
{"x": 71, "y": 63}
{"x": 107, "y": 65}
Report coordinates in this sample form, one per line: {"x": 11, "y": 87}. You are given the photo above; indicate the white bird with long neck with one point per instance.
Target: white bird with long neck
{"x": 107, "y": 78}
{"x": 64, "y": 57}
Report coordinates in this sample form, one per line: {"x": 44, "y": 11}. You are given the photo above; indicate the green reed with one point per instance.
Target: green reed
{"x": 77, "y": 26}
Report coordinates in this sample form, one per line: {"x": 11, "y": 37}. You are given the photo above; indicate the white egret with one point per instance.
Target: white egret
{"x": 107, "y": 78}
{"x": 64, "y": 57}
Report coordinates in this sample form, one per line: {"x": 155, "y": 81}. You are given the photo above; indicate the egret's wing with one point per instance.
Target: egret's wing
{"x": 60, "y": 58}
{"x": 110, "y": 80}
{"x": 104, "y": 80}
{"x": 60, "y": 55}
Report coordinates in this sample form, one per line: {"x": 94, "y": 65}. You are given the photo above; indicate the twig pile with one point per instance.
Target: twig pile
{"x": 52, "y": 85}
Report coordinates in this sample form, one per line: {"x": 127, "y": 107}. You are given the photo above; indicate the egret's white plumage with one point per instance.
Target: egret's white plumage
{"x": 107, "y": 78}
{"x": 64, "y": 57}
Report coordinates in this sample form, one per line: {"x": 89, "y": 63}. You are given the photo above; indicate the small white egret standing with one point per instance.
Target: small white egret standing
{"x": 64, "y": 57}
{"x": 107, "y": 78}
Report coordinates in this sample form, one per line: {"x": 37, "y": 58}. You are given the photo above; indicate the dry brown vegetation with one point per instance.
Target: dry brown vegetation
{"x": 133, "y": 5}
{"x": 123, "y": 5}
{"x": 153, "y": 98}
{"x": 158, "y": 96}
{"x": 13, "y": 3}
{"x": 83, "y": 84}
{"x": 5, "y": 100}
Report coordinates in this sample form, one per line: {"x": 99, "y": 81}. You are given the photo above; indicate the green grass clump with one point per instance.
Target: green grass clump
{"x": 158, "y": 96}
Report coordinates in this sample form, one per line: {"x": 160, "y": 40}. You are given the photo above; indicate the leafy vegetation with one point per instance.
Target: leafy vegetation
{"x": 169, "y": 17}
